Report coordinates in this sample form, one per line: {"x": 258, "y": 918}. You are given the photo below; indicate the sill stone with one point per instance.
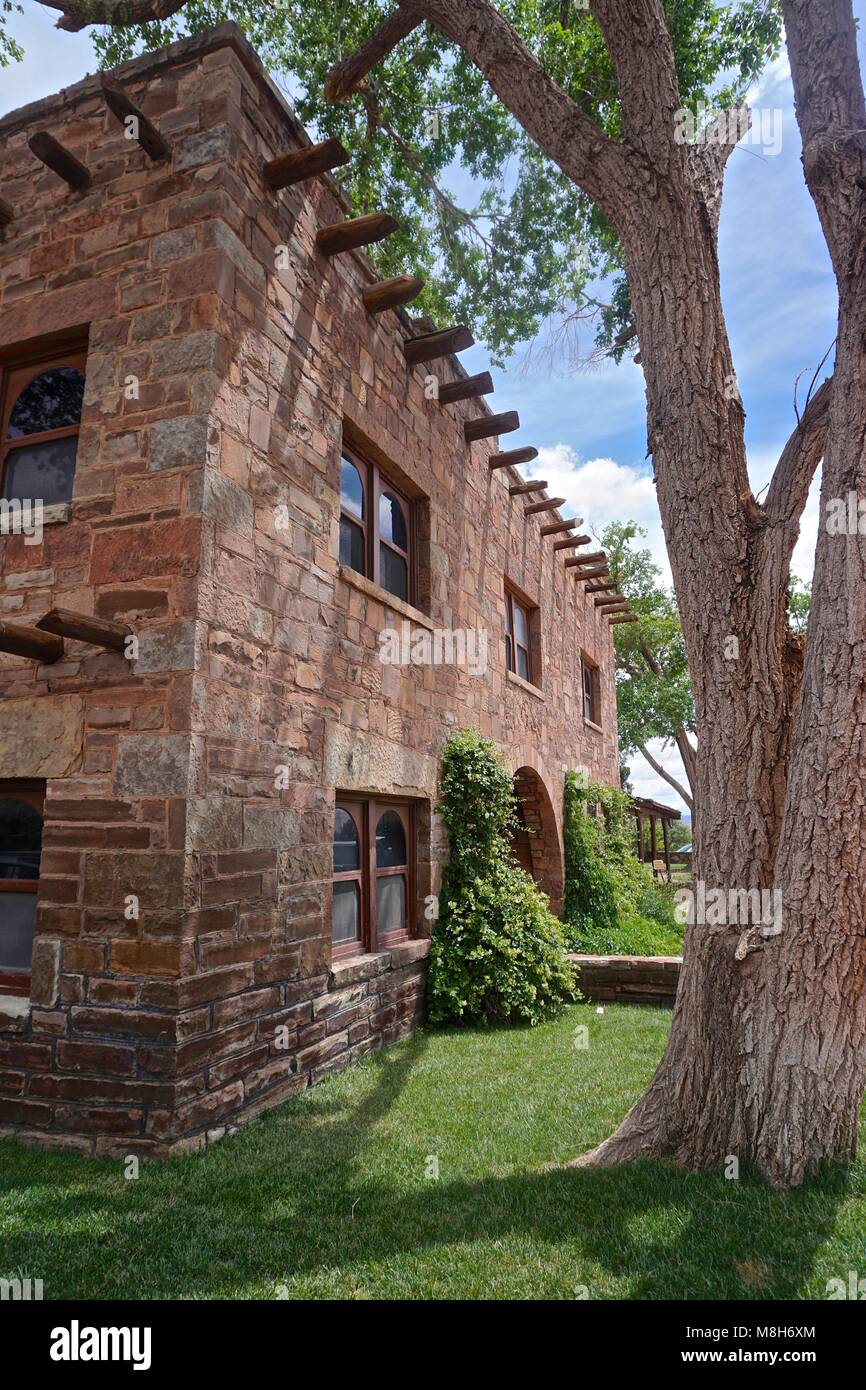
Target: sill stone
{"x": 366, "y": 586}
{"x": 526, "y": 685}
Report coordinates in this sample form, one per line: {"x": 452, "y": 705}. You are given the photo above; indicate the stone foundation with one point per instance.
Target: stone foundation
{"x": 629, "y": 979}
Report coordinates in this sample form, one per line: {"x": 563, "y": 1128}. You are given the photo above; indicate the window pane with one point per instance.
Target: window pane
{"x": 41, "y": 472}
{"x": 20, "y": 840}
{"x": 52, "y": 401}
{"x": 522, "y": 664}
{"x": 347, "y": 850}
{"x": 17, "y": 923}
{"x": 390, "y": 841}
{"x": 392, "y": 522}
{"x": 351, "y": 489}
{"x": 509, "y": 654}
{"x": 351, "y": 545}
{"x": 520, "y": 631}
{"x": 345, "y": 914}
{"x": 391, "y": 903}
{"x": 393, "y": 574}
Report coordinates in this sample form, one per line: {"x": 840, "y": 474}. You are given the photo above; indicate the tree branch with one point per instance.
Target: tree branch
{"x": 121, "y": 14}
{"x": 640, "y": 47}
{"x": 600, "y": 167}
{"x": 793, "y": 474}
{"x": 662, "y": 772}
{"x": 711, "y": 151}
{"x": 344, "y": 78}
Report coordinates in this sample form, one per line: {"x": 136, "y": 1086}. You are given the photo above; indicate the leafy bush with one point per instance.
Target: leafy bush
{"x": 498, "y": 953}
{"x": 613, "y": 904}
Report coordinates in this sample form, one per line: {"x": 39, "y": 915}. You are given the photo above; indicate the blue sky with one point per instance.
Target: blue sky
{"x": 779, "y": 297}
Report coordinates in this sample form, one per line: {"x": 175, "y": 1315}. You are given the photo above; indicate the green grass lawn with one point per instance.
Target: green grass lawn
{"x": 328, "y": 1197}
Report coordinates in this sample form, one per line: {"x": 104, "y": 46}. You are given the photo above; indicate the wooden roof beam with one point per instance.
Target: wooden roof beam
{"x": 442, "y": 343}
{"x": 612, "y": 608}
{"x": 306, "y": 163}
{"x": 623, "y": 618}
{"x": 518, "y": 489}
{"x": 610, "y": 598}
{"x": 467, "y": 388}
{"x": 487, "y": 426}
{"x": 355, "y": 232}
{"x": 550, "y": 504}
{"x": 390, "y": 294}
{"x": 134, "y": 121}
{"x": 512, "y": 457}
{"x": 557, "y": 527}
{"x": 81, "y": 627}
{"x": 601, "y": 572}
{"x": 592, "y": 558}
{"x": 571, "y": 541}
{"x": 21, "y": 640}
{"x": 60, "y": 161}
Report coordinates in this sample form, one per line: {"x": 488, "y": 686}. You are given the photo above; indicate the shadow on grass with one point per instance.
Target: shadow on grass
{"x": 296, "y": 1200}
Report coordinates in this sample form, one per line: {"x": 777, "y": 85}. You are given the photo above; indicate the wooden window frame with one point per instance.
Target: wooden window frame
{"x": 366, "y": 813}
{"x": 32, "y": 794}
{"x": 374, "y": 482}
{"x": 590, "y": 669}
{"x": 512, "y": 646}
{"x": 16, "y": 373}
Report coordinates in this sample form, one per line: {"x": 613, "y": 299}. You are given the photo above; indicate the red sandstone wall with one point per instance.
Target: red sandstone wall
{"x": 256, "y": 650}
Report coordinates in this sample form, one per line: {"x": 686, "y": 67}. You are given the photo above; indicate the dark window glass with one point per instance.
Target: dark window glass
{"x": 520, "y": 632}
{"x": 20, "y": 840}
{"x": 393, "y": 574}
{"x": 392, "y": 522}
{"x": 347, "y": 849}
{"x": 51, "y": 401}
{"x": 391, "y": 903}
{"x": 390, "y": 841}
{"x": 16, "y": 931}
{"x": 351, "y": 489}
{"x": 42, "y": 472}
{"x": 351, "y": 545}
{"x": 522, "y": 664}
{"x": 346, "y": 913}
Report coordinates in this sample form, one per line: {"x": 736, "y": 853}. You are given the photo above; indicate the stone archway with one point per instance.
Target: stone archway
{"x": 536, "y": 842}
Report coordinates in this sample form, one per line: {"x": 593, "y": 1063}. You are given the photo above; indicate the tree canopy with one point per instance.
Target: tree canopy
{"x": 526, "y": 247}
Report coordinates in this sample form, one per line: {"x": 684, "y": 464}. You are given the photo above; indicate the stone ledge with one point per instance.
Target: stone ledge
{"x": 408, "y": 951}
{"x": 513, "y": 678}
{"x": 628, "y": 979}
{"x": 356, "y": 968}
{"x": 371, "y": 590}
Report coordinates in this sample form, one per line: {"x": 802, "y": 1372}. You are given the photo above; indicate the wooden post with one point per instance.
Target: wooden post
{"x": 667, "y": 847}
{"x": 548, "y": 505}
{"x": 512, "y": 457}
{"x": 439, "y": 344}
{"x": 639, "y": 819}
{"x": 653, "y": 842}
{"x": 355, "y": 232}
{"x": 486, "y": 426}
{"x": 143, "y": 130}
{"x": 390, "y": 294}
{"x": 303, "y": 164}
{"x": 40, "y": 646}
{"x": 81, "y": 627}
{"x": 60, "y": 160}
{"x": 466, "y": 389}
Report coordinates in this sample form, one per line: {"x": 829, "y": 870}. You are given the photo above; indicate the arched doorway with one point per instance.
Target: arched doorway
{"x": 536, "y": 841}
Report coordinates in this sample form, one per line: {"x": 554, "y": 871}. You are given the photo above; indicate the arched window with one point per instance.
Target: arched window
{"x": 373, "y": 875}
{"x": 40, "y": 416}
{"x": 20, "y": 852}
{"x": 376, "y": 527}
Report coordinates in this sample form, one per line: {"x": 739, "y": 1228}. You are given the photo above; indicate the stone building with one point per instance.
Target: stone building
{"x": 218, "y": 772}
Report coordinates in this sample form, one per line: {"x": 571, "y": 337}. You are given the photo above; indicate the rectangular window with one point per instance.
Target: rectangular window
{"x": 517, "y": 628}
{"x": 376, "y": 527}
{"x": 41, "y": 396}
{"x": 374, "y": 854}
{"x": 21, "y": 808}
{"x": 591, "y": 692}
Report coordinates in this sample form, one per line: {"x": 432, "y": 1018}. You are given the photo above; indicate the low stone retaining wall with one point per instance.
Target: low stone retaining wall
{"x": 629, "y": 979}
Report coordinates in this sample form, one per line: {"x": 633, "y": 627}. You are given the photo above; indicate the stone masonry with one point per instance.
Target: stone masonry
{"x": 256, "y": 650}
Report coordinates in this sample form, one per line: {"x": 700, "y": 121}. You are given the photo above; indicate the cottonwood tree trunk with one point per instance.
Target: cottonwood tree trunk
{"x": 767, "y": 1054}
